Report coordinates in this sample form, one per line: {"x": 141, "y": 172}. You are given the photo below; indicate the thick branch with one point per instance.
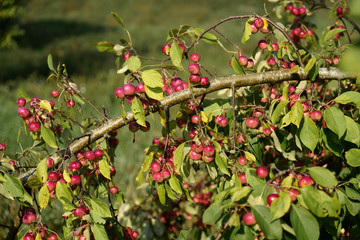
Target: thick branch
{"x": 178, "y": 97}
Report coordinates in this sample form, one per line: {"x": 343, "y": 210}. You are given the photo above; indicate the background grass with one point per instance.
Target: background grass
{"x": 69, "y": 31}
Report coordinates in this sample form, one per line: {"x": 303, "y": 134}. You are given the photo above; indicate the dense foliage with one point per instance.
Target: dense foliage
{"x": 269, "y": 153}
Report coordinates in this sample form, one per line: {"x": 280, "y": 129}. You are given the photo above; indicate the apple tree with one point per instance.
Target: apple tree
{"x": 270, "y": 152}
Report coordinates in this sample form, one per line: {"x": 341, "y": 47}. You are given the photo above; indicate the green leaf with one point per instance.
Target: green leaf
{"x": 43, "y": 196}
{"x": 22, "y": 93}
{"x": 319, "y": 203}
{"x": 154, "y": 93}
{"x": 118, "y": 19}
{"x": 138, "y": 111}
{"x": 353, "y": 157}
{"x": 314, "y": 72}
{"x": 152, "y": 78}
{"x": 161, "y": 193}
{"x": 133, "y": 63}
{"x": 332, "y": 141}
{"x": 179, "y": 157}
{"x": 105, "y": 47}
{"x": 207, "y": 37}
{"x": 296, "y": 113}
{"x": 323, "y": 176}
{"x": 50, "y": 63}
{"x": 41, "y": 171}
{"x": 310, "y": 65}
{"x": 104, "y": 168}
{"x": 332, "y": 33}
{"x": 236, "y": 66}
{"x": 5, "y": 193}
{"x": 99, "y": 207}
{"x": 145, "y": 166}
{"x": 247, "y": 33}
{"x": 63, "y": 191}
{"x": 13, "y": 186}
{"x": 239, "y": 193}
{"x": 176, "y": 55}
{"x": 278, "y": 110}
{"x": 294, "y": 69}
{"x": 48, "y": 136}
{"x": 305, "y": 225}
{"x": 335, "y": 120}
{"x": 212, "y": 214}
{"x": 221, "y": 162}
{"x": 249, "y": 156}
{"x": 349, "y": 97}
{"x": 271, "y": 229}
{"x": 280, "y": 206}
{"x": 78, "y": 99}
{"x": 99, "y": 231}
{"x": 352, "y": 193}
{"x": 309, "y": 134}
{"x": 352, "y": 131}
{"x": 174, "y": 184}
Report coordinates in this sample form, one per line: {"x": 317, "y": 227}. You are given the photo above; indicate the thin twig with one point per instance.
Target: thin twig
{"x": 74, "y": 121}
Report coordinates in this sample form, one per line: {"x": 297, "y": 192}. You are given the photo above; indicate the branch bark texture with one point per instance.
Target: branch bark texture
{"x": 178, "y": 97}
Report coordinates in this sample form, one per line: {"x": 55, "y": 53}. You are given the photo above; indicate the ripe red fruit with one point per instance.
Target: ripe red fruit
{"x": 75, "y": 179}
{"x": 204, "y": 81}
{"x": 134, "y": 234}
{"x": 75, "y": 165}
{"x": 243, "y": 60}
{"x": 182, "y": 48}
{"x": 145, "y": 129}
{"x": 21, "y": 102}
{"x": 267, "y": 131}
{"x": 197, "y": 148}
{"x": 195, "y": 119}
{"x": 209, "y": 150}
{"x": 262, "y": 44}
{"x": 52, "y": 236}
{"x": 262, "y": 172}
{"x": 165, "y": 174}
{"x": 89, "y": 155}
{"x": 275, "y": 47}
{"x": 259, "y": 23}
{"x": 119, "y": 93}
{"x": 242, "y": 177}
{"x": 51, "y": 185}
{"x": 29, "y": 236}
{"x": 29, "y": 218}
{"x": 70, "y": 103}
{"x": 252, "y": 122}
{"x": 23, "y": 112}
{"x": 242, "y": 160}
{"x": 157, "y": 177}
{"x": 114, "y": 190}
{"x": 128, "y": 89}
{"x": 166, "y": 49}
{"x": 155, "y": 167}
{"x": 293, "y": 193}
{"x": 50, "y": 162}
{"x": 194, "y": 68}
{"x": 98, "y": 153}
{"x": 302, "y": 11}
{"x": 339, "y": 12}
{"x": 53, "y": 176}
{"x": 195, "y": 57}
{"x": 250, "y": 63}
{"x": 195, "y": 78}
{"x": 295, "y": 11}
{"x": 195, "y": 155}
{"x": 55, "y": 93}
{"x": 249, "y": 219}
{"x": 2, "y": 147}
{"x": 315, "y": 115}
{"x": 140, "y": 88}
{"x": 126, "y": 56}
{"x": 253, "y": 28}
{"x": 79, "y": 211}
{"x": 271, "y": 62}
{"x": 133, "y": 127}
{"x": 241, "y": 138}
{"x": 271, "y": 197}
{"x": 305, "y": 181}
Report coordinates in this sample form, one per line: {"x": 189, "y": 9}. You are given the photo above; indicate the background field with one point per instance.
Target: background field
{"x": 69, "y": 31}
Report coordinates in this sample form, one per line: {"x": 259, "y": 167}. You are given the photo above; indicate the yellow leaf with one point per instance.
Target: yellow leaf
{"x": 266, "y": 24}
{"x": 204, "y": 118}
{"x": 44, "y": 104}
{"x": 66, "y": 176}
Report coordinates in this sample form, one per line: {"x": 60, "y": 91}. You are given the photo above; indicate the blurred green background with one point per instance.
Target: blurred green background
{"x": 69, "y": 31}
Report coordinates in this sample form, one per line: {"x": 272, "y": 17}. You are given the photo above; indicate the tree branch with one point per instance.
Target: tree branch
{"x": 178, "y": 97}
